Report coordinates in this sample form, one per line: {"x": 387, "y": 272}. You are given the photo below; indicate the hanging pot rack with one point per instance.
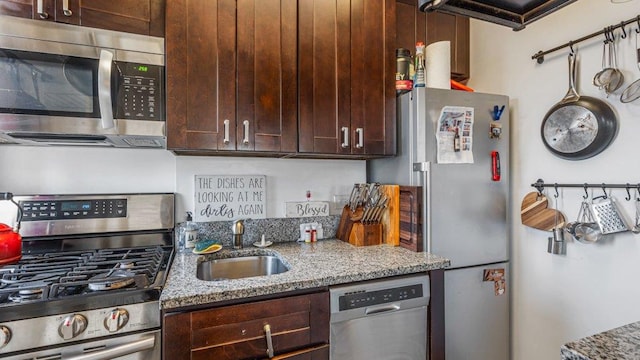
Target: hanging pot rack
{"x": 539, "y": 56}
{"x": 540, "y": 185}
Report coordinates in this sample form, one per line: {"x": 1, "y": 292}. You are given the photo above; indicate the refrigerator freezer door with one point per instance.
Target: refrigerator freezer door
{"x": 476, "y": 318}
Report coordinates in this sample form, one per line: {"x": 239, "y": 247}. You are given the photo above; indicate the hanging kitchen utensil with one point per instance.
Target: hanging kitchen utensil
{"x": 608, "y": 216}
{"x": 534, "y": 212}
{"x": 556, "y": 244}
{"x": 578, "y": 127}
{"x": 636, "y": 226}
{"x": 596, "y": 78}
{"x": 632, "y": 92}
{"x": 587, "y": 230}
{"x": 616, "y": 78}
{"x": 10, "y": 239}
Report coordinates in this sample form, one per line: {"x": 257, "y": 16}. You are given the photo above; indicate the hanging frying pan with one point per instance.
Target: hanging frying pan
{"x": 578, "y": 127}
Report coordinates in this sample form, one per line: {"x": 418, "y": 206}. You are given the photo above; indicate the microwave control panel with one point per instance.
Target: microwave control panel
{"x": 73, "y": 209}
{"x": 140, "y": 91}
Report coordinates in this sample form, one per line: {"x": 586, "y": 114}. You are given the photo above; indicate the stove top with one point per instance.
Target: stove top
{"x": 83, "y": 252}
{"x": 80, "y": 273}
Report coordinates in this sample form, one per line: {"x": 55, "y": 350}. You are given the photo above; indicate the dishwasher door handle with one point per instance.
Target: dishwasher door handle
{"x": 379, "y": 310}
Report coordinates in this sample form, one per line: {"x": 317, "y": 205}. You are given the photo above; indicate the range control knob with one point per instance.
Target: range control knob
{"x": 72, "y": 326}
{"x": 5, "y": 336}
{"x": 116, "y": 320}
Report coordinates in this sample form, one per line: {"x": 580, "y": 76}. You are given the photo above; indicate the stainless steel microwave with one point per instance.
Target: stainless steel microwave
{"x": 69, "y": 85}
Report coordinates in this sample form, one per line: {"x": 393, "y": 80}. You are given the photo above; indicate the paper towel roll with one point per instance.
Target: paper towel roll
{"x": 438, "y": 65}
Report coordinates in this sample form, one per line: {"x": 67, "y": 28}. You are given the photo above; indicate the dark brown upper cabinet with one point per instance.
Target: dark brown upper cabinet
{"x": 144, "y": 17}
{"x": 414, "y": 25}
{"x": 231, "y": 76}
{"x": 346, "y": 54}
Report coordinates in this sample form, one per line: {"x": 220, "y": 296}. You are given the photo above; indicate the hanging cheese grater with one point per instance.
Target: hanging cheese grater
{"x": 607, "y": 216}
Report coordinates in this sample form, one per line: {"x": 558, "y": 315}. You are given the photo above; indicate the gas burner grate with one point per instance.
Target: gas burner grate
{"x": 47, "y": 276}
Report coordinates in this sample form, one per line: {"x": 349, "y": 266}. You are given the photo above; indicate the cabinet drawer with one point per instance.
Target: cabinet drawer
{"x": 298, "y": 324}
{"x": 314, "y": 353}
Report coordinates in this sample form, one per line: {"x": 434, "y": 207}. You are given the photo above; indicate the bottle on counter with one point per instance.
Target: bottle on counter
{"x": 307, "y": 233}
{"x": 189, "y": 232}
{"x": 456, "y": 141}
{"x": 314, "y": 233}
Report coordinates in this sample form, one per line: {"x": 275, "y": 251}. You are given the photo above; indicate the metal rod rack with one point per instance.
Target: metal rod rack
{"x": 540, "y": 185}
{"x": 539, "y": 56}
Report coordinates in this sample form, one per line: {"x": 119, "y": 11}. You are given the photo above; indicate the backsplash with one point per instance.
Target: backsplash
{"x": 277, "y": 230}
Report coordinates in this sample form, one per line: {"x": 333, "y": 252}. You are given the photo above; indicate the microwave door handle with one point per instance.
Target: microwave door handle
{"x": 104, "y": 89}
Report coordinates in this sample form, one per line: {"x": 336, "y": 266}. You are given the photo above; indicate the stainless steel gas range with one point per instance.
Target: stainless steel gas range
{"x": 88, "y": 283}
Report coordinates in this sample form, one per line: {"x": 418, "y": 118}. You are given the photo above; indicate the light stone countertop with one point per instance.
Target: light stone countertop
{"x": 621, "y": 343}
{"x": 312, "y": 265}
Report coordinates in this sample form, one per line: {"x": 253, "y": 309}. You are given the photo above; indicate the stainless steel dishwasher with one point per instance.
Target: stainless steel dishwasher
{"x": 382, "y": 319}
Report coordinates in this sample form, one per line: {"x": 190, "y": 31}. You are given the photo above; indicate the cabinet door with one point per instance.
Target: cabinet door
{"x": 266, "y": 73}
{"x": 413, "y": 25}
{"x": 201, "y": 74}
{"x": 373, "y": 33}
{"x": 136, "y": 16}
{"x": 346, "y": 66}
{"x": 455, "y": 28}
{"x": 324, "y": 80}
{"x": 314, "y": 353}
{"x": 19, "y": 8}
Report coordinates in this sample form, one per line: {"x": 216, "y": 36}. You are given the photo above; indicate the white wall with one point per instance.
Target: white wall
{"x": 67, "y": 170}
{"x": 594, "y": 287}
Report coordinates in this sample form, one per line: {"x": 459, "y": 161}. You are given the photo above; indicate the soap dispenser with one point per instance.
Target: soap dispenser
{"x": 189, "y": 233}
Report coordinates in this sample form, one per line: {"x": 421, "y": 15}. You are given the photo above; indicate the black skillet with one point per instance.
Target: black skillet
{"x": 578, "y": 127}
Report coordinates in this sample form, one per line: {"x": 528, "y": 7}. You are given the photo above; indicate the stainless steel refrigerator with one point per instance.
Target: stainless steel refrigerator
{"x": 465, "y": 207}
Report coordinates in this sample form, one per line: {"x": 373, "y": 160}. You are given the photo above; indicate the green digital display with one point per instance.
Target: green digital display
{"x": 143, "y": 68}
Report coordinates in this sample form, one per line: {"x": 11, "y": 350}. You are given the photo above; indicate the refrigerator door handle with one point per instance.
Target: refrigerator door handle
{"x": 425, "y": 169}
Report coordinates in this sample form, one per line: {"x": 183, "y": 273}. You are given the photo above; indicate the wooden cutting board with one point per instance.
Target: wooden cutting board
{"x": 535, "y": 213}
{"x": 391, "y": 215}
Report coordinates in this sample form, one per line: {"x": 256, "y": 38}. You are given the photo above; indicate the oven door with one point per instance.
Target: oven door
{"x": 141, "y": 346}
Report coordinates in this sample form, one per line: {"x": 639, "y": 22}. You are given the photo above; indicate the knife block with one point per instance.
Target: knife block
{"x": 365, "y": 235}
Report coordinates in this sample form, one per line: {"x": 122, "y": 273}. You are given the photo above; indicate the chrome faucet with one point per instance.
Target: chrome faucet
{"x": 237, "y": 230}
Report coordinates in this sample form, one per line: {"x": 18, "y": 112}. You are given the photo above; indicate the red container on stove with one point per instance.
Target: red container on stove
{"x": 10, "y": 239}
{"x": 10, "y": 245}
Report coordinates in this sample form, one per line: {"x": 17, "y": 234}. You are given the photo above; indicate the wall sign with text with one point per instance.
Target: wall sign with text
{"x": 230, "y": 197}
{"x": 307, "y": 208}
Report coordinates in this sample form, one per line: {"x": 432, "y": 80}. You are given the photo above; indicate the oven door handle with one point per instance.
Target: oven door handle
{"x": 143, "y": 344}
{"x": 104, "y": 89}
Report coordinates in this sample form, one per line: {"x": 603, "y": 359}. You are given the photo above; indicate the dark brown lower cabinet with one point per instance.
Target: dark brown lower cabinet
{"x": 299, "y": 327}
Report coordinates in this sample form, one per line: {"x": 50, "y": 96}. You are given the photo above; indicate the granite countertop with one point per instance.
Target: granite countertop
{"x": 622, "y": 343}
{"x": 312, "y": 265}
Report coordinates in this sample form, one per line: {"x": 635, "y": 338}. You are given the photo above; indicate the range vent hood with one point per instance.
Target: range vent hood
{"x": 515, "y": 14}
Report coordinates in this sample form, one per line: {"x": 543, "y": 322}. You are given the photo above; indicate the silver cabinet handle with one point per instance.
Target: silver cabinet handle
{"x": 117, "y": 351}
{"x": 245, "y": 140}
{"x": 65, "y": 8}
{"x": 40, "y": 10}
{"x": 345, "y": 137}
{"x": 267, "y": 334}
{"x": 104, "y": 89}
{"x": 226, "y": 131}
{"x": 360, "y": 135}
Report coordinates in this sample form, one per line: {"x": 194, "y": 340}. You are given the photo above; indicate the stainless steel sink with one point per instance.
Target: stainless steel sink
{"x": 240, "y": 267}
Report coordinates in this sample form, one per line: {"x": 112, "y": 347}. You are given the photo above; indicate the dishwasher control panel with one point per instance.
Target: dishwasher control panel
{"x": 363, "y": 298}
